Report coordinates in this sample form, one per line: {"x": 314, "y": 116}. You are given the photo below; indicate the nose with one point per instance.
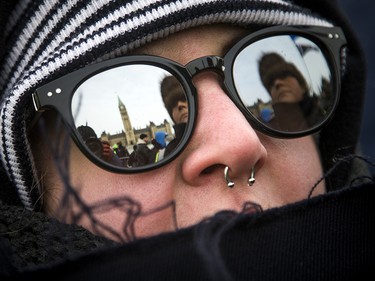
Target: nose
{"x": 222, "y": 137}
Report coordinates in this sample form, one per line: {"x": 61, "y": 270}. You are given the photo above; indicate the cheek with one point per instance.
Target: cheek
{"x": 295, "y": 166}
{"x": 95, "y": 184}
{"x": 140, "y": 202}
{"x": 298, "y": 90}
{"x": 176, "y": 115}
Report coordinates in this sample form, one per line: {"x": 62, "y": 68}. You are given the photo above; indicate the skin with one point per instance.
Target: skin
{"x": 146, "y": 140}
{"x": 180, "y": 112}
{"x": 285, "y": 170}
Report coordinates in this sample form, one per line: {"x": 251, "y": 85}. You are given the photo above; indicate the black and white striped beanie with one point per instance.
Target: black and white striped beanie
{"x": 45, "y": 39}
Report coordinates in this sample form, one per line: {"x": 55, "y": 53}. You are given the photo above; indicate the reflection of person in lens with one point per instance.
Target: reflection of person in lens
{"x": 102, "y": 149}
{"x": 143, "y": 155}
{"x": 132, "y": 157}
{"x": 159, "y": 144}
{"x": 122, "y": 153}
{"x": 175, "y": 102}
{"x": 288, "y": 90}
{"x": 283, "y": 80}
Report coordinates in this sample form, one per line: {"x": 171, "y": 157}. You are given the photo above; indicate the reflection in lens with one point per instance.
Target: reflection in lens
{"x": 131, "y": 105}
{"x": 90, "y": 139}
{"x": 95, "y": 145}
{"x": 175, "y": 101}
{"x": 285, "y": 82}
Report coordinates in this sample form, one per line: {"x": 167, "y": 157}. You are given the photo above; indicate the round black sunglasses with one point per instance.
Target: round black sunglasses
{"x": 284, "y": 79}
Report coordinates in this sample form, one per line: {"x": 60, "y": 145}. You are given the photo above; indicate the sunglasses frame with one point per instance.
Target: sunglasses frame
{"x": 58, "y": 94}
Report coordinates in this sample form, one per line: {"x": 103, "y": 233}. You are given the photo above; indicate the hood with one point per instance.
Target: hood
{"x": 160, "y": 138}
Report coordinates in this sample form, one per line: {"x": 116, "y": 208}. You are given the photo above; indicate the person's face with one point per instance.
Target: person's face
{"x": 285, "y": 170}
{"x": 180, "y": 112}
{"x": 287, "y": 90}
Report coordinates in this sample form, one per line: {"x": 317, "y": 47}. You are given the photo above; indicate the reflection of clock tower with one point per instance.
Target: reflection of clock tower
{"x": 129, "y": 133}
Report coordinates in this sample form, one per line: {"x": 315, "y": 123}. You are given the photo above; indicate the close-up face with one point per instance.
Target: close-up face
{"x": 180, "y": 112}
{"x": 286, "y": 89}
{"x": 192, "y": 186}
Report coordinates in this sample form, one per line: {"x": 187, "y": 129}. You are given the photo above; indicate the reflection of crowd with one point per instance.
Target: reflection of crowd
{"x": 100, "y": 148}
{"x": 159, "y": 145}
{"x": 121, "y": 152}
{"x": 175, "y": 102}
{"x": 142, "y": 155}
{"x": 143, "y": 152}
{"x": 118, "y": 155}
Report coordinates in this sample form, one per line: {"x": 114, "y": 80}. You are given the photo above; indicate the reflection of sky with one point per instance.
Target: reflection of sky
{"x": 247, "y": 68}
{"x": 138, "y": 87}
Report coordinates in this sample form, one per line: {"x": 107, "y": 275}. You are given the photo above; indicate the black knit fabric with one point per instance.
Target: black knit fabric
{"x": 47, "y": 240}
{"x": 330, "y": 237}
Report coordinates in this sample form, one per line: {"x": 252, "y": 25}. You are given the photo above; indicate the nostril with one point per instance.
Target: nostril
{"x": 210, "y": 169}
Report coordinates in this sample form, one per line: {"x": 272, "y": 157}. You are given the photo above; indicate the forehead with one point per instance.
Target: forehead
{"x": 195, "y": 42}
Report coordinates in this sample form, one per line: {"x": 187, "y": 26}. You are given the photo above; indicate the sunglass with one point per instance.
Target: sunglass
{"x": 285, "y": 80}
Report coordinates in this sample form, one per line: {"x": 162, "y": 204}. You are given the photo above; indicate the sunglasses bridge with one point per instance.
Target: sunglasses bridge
{"x": 214, "y": 63}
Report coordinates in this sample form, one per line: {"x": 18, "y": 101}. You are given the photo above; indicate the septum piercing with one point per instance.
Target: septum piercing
{"x": 251, "y": 180}
{"x": 230, "y": 183}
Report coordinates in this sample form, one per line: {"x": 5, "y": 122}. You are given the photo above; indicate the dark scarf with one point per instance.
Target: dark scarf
{"x": 329, "y": 237}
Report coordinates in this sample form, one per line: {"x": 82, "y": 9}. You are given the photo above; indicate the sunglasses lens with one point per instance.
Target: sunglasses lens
{"x": 286, "y": 83}
{"x": 142, "y": 108}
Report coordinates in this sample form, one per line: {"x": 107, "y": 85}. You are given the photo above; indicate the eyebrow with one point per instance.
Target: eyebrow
{"x": 234, "y": 40}
{"x": 228, "y": 45}
{"x": 143, "y": 50}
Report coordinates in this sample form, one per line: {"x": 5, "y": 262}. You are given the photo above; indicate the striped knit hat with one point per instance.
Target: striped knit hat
{"x": 45, "y": 39}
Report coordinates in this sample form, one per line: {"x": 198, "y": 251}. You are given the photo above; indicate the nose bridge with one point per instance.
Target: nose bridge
{"x": 214, "y": 63}
{"x": 231, "y": 140}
